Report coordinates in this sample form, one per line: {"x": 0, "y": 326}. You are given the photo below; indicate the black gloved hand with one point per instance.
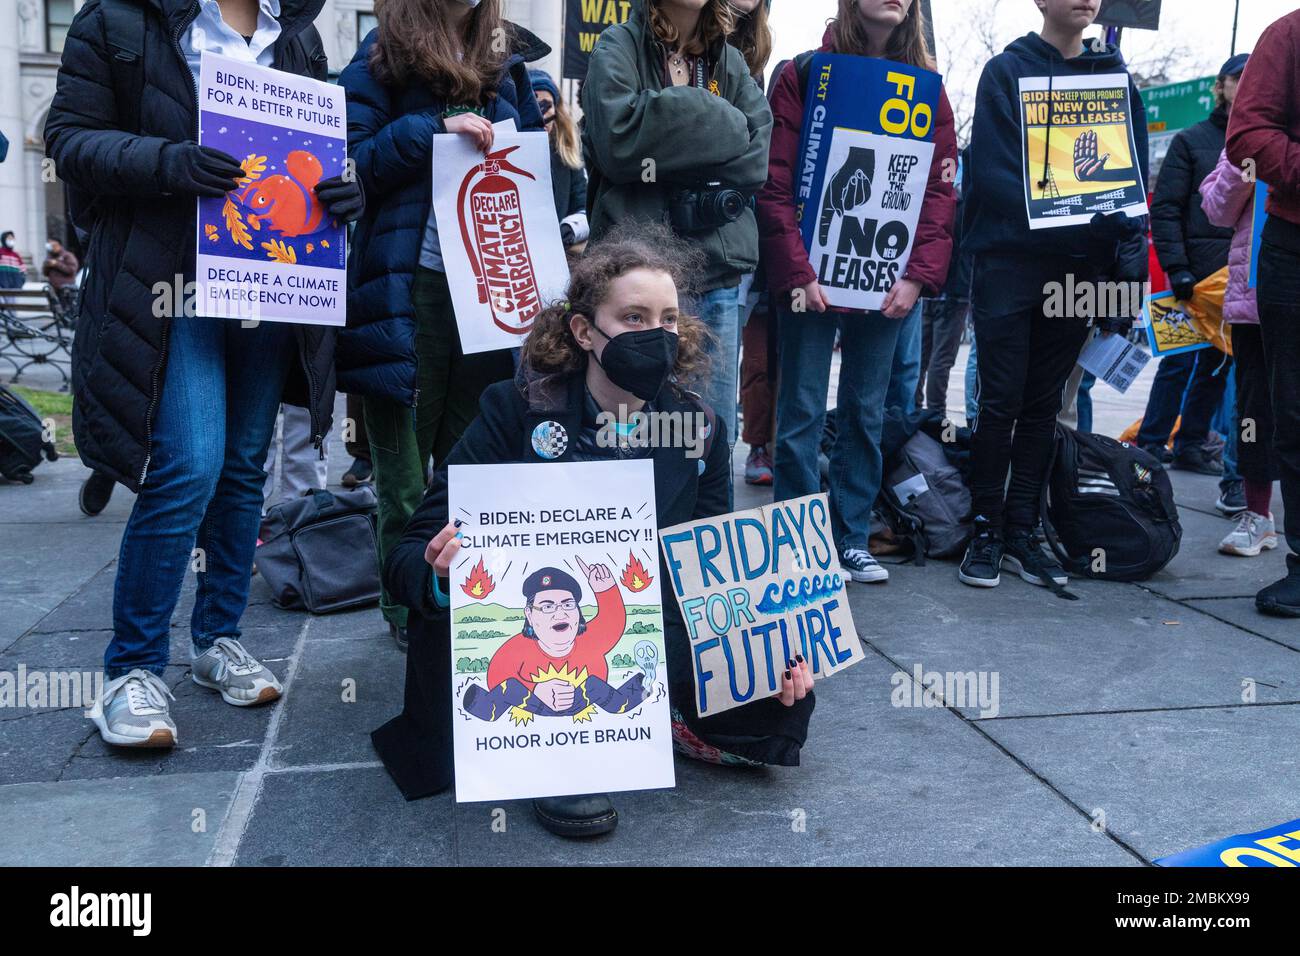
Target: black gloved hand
{"x": 343, "y": 199}
{"x": 1115, "y": 226}
{"x": 1182, "y": 284}
{"x": 1119, "y": 326}
{"x": 197, "y": 170}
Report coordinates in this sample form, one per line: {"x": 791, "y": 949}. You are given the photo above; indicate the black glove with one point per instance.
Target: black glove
{"x": 343, "y": 199}
{"x": 197, "y": 170}
{"x": 1182, "y": 284}
{"x": 1115, "y": 226}
{"x": 1120, "y": 326}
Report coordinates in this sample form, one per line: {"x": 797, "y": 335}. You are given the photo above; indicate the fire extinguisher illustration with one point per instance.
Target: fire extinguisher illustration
{"x": 508, "y": 288}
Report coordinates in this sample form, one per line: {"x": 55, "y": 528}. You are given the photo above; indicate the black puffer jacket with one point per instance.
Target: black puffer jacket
{"x": 1185, "y": 240}
{"x": 143, "y": 235}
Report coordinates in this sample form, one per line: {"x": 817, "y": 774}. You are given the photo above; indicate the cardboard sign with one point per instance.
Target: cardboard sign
{"x": 1087, "y": 163}
{"x": 756, "y": 588}
{"x": 559, "y": 679}
{"x": 268, "y": 250}
{"x": 866, "y": 150}
{"x": 1170, "y": 329}
{"x": 584, "y": 22}
{"x": 499, "y": 237}
{"x": 1276, "y": 846}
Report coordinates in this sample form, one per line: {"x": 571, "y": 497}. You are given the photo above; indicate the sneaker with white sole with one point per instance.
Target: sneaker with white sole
{"x": 132, "y": 711}
{"x": 858, "y": 564}
{"x": 1253, "y": 534}
{"x": 237, "y": 674}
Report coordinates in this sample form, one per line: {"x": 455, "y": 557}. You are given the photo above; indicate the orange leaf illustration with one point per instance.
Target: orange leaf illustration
{"x": 277, "y": 250}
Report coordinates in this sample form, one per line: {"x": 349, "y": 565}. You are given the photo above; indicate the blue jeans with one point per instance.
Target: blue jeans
{"x": 719, "y": 310}
{"x": 1083, "y": 402}
{"x": 202, "y": 495}
{"x": 1224, "y": 422}
{"x": 906, "y": 372}
{"x": 972, "y": 386}
{"x": 867, "y": 344}
{"x": 1189, "y": 384}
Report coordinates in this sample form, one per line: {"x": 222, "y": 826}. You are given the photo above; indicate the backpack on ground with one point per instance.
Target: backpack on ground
{"x": 1108, "y": 508}
{"x": 923, "y": 497}
{"x": 22, "y": 440}
{"x": 320, "y": 551}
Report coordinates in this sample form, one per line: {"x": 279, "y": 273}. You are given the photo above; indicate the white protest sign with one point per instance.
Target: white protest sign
{"x": 756, "y": 588}
{"x": 559, "y": 679}
{"x": 268, "y": 250}
{"x": 498, "y": 233}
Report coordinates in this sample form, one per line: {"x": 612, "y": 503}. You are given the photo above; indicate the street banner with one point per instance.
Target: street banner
{"x": 1276, "y": 846}
{"x": 1085, "y": 162}
{"x": 756, "y": 588}
{"x": 1138, "y": 14}
{"x": 499, "y": 238}
{"x": 559, "y": 678}
{"x": 1170, "y": 329}
{"x": 268, "y": 250}
{"x": 584, "y": 21}
{"x": 866, "y": 149}
{"x": 1259, "y": 215}
{"x": 1173, "y": 107}
{"x": 1114, "y": 360}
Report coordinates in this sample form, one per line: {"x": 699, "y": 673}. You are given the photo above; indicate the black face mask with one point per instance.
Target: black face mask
{"x": 639, "y": 362}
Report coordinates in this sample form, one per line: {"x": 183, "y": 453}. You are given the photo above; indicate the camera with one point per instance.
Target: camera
{"x": 708, "y": 207}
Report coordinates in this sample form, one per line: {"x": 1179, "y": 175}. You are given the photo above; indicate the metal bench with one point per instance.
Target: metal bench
{"x": 35, "y": 329}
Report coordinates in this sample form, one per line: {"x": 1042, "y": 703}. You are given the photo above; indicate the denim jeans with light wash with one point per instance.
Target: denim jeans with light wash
{"x": 906, "y": 372}
{"x": 1224, "y": 423}
{"x": 972, "y": 386}
{"x": 1083, "y": 402}
{"x": 202, "y": 496}
{"x": 867, "y": 344}
{"x": 719, "y": 310}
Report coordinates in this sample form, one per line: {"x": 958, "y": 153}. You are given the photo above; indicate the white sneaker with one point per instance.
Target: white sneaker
{"x": 858, "y": 564}
{"x": 241, "y": 678}
{"x": 1253, "y": 534}
{"x": 132, "y": 712}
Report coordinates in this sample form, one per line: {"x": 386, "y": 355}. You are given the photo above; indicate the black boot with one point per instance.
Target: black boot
{"x": 95, "y": 493}
{"x": 1282, "y": 598}
{"x": 399, "y": 637}
{"x": 585, "y": 815}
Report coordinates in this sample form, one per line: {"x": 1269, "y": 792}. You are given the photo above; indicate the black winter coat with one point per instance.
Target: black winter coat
{"x": 416, "y": 745}
{"x": 1185, "y": 239}
{"x": 569, "y": 187}
{"x": 143, "y": 235}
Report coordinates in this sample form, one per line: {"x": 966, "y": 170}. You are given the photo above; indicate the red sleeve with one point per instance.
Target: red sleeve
{"x": 785, "y": 260}
{"x": 932, "y": 248}
{"x": 606, "y": 628}
{"x": 1259, "y": 127}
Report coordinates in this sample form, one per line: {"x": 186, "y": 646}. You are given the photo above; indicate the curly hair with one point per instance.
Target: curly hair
{"x": 717, "y": 21}
{"x": 551, "y": 347}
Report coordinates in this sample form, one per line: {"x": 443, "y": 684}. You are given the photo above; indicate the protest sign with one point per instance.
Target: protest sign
{"x": 559, "y": 680}
{"x": 584, "y": 22}
{"x": 756, "y": 588}
{"x": 1170, "y": 329}
{"x": 1085, "y": 161}
{"x": 866, "y": 150}
{"x": 499, "y": 238}
{"x": 268, "y": 250}
{"x": 1113, "y": 359}
{"x": 1259, "y": 215}
{"x": 1276, "y": 846}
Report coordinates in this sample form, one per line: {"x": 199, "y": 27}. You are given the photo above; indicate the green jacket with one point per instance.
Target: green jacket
{"x": 642, "y": 141}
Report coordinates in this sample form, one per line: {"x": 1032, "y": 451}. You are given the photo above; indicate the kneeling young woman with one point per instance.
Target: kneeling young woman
{"x": 618, "y": 344}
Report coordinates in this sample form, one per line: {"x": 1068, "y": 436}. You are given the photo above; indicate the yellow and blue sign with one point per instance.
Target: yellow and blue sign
{"x": 1276, "y": 846}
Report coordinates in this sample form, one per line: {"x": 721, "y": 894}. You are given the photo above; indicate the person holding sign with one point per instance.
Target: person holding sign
{"x": 1025, "y": 355}
{"x": 620, "y": 343}
{"x": 431, "y": 68}
{"x": 676, "y": 130}
{"x": 177, "y": 407}
{"x": 1264, "y": 136}
{"x": 892, "y": 32}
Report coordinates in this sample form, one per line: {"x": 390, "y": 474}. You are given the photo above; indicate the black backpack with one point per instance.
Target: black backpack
{"x": 22, "y": 442}
{"x": 1108, "y": 495}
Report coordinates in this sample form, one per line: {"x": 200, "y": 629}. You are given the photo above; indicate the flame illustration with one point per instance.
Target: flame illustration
{"x": 479, "y": 584}
{"x": 635, "y": 578}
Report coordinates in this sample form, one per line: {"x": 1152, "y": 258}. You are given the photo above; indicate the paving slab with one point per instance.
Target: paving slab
{"x": 149, "y": 821}
{"x": 342, "y": 691}
{"x": 879, "y": 785}
{"x": 1173, "y": 780}
{"x": 1117, "y": 648}
{"x": 1199, "y": 571}
{"x": 1241, "y": 612}
{"x": 345, "y": 818}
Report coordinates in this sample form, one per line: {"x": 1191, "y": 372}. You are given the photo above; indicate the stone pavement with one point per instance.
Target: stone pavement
{"x": 1124, "y": 708}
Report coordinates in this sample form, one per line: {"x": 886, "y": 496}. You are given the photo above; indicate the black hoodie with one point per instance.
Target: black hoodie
{"x": 996, "y": 225}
